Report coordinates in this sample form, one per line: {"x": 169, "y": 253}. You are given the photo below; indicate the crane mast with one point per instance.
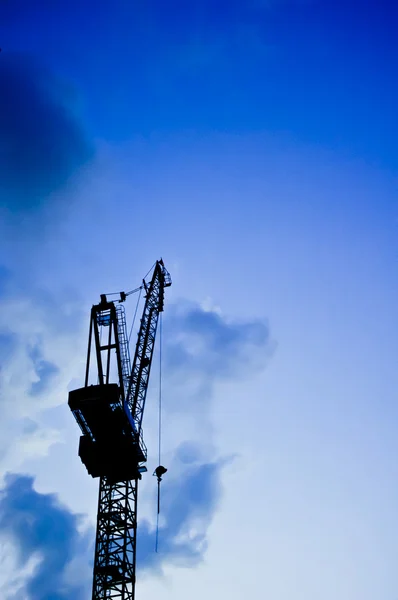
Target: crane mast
{"x": 111, "y": 446}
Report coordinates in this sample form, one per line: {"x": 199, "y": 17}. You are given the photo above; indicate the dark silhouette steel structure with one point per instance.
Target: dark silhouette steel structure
{"x": 111, "y": 446}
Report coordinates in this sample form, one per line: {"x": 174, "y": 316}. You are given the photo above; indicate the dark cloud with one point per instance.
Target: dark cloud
{"x": 44, "y": 369}
{"x": 202, "y": 347}
{"x": 41, "y": 527}
{"x": 41, "y": 141}
{"x": 208, "y": 343}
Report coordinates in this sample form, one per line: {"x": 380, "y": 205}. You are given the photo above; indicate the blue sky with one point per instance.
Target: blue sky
{"x": 316, "y": 70}
{"x": 253, "y": 146}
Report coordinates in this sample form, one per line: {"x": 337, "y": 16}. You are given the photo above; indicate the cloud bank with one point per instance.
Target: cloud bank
{"x": 205, "y": 348}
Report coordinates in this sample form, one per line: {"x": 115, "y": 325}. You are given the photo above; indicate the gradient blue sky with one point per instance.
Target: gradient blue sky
{"x": 253, "y": 146}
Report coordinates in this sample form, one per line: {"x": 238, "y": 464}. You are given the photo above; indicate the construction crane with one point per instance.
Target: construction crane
{"x": 111, "y": 446}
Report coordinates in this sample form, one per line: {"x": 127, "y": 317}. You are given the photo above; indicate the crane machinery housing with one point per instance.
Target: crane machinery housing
{"x": 111, "y": 446}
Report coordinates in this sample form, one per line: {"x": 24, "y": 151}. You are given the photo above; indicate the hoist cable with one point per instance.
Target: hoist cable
{"x": 160, "y": 388}
{"x": 150, "y": 270}
{"x": 159, "y": 425}
{"x": 135, "y": 314}
{"x": 157, "y": 520}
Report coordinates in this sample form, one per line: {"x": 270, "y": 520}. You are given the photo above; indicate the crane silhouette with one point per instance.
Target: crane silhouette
{"x": 111, "y": 446}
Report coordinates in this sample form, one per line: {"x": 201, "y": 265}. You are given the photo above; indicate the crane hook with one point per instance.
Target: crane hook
{"x": 159, "y": 471}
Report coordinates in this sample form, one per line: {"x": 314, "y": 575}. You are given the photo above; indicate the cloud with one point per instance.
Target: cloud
{"x": 205, "y": 341}
{"x": 7, "y": 345}
{"x": 203, "y": 347}
{"x": 38, "y": 333}
{"x": 26, "y": 439}
{"x": 41, "y": 141}
{"x": 46, "y": 532}
{"x": 188, "y": 504}
{"x": 44, "y": 370}
{"x": 42, "y": 342}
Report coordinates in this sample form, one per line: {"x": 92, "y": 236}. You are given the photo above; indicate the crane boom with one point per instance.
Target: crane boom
{"x": 138, "y": 384}
{"x": 111, "y": 445}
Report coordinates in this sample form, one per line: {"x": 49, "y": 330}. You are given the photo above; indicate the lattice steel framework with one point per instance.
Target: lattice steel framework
{"x": 138, "y": 384}
{"x": 112, "y": 448}
{"x": 115, "y": 548}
